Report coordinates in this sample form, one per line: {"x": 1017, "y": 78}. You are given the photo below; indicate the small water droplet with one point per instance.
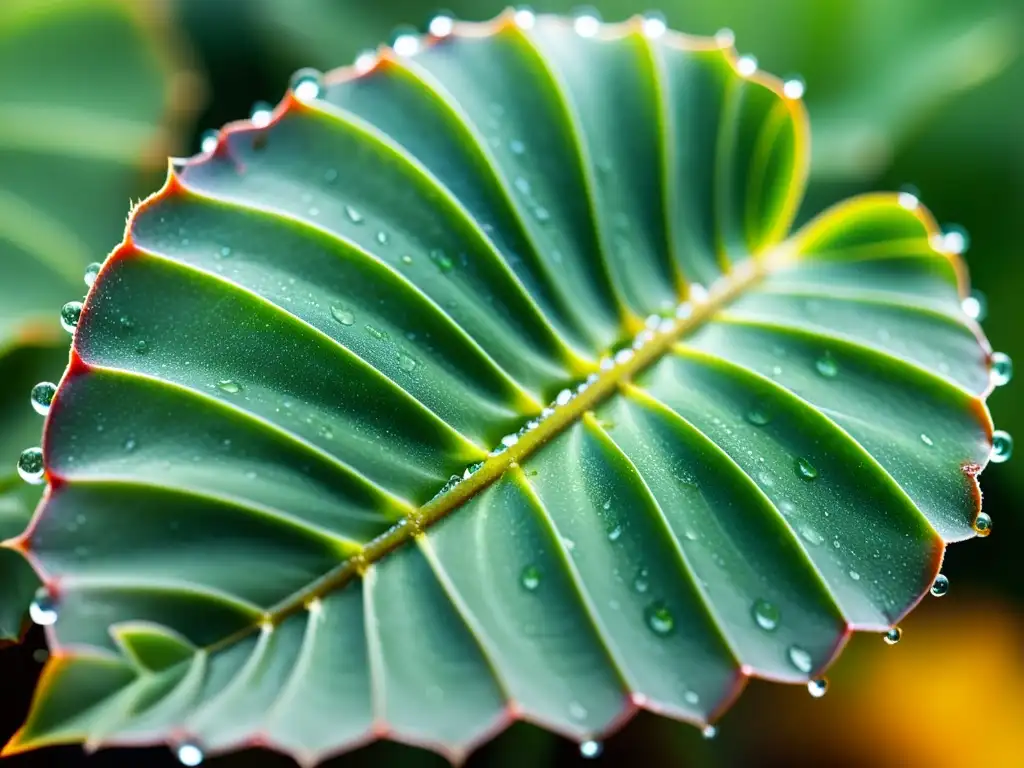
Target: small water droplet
{"x": 43, "y": 610}
{"x": 800, "y": 658}
{"x": 344, "y": 316}
{"x": 406, "y": 44}
{"x": 1002, "y": 446}
{"x": 811, "y": 536}
{"x": 940, "y": 586}
{"x": 975, "y": 306}
{"x": 442, "y": 260}
{"x": 927, "y": 440}
{"x": 577, "y": 711}
{"x": 817, "y": 688}
{"x": 306, "y": 84}
{"x": 854, "y": 575}
{"x": 353, "y": 215}
{"x": 640, "y": 583}
{"x": 759, "y": 414}
{"x": 42, "y": 396}
{"x": 983, "y": 524}
{"x": 1002, "y": 369}
{"x": 70, "y": 314}
{"x": 766, "y": 615}
{"x": 30, "y": 466}
{"x": 517, "y": 147}
{"x": 530, "y": 578}
{"x": 230, "y": 386}
{"x": 377, "y": 333}
{"x": 691, "y": 697}
{"x": 659, "y": 619}
{"x": 525, "y": 18}
{"x": 591, "y": 749}
{"x": 893, "y": 636}
{"x": 587, "y": 23}
{"x": 794, "y": 88}
{"x": 190, "y": 755}
{"x": 746, "y": 65}
{"x": 141, "y": 347}
{"x": 208, "y": 142}
{"x": 909, "y": 197}
{"x": 130, "y": 444}
{"x": 614, "y": 532}
{"x": 92, "y": 272}
{"x": 805, "y": 470}
{"x": 826, "y": 366}
{"x": 406, "y": 362}
{"x": 654, "y": 25}
{"x": 955, "y": 240}
{"x": 709, "y": 732}
{"x": 441, "y": 25}
{"x": 260, "y": 114}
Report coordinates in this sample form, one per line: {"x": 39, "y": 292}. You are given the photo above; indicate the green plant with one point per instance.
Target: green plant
{"x": 73, "y": 143}
{"x": 462, "y": 389}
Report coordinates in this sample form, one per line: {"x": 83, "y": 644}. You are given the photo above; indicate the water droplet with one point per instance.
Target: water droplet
{"x": 955, "y": 240}
{"x": 525, "y": 18}
{"x": 406, "y": 259}
{"x": 1002, "y": 446}
{"x": 442, "y": 260}
{"x": 1002, "y": 369}
{"x": 591, "y": 749}
{"x": 353, "y": 215}
{"x": 43, "y": 610}
{"x": 306, "y": 84}
{"x": 260, "y": 114}
{"x": 893, "y": 636}
{"x": 230, "y": 386}
{"x": 30, "y": 466}
{"x": 975, "y": 306}
{"x": 441, "y": 25}
{"x": 854, "y": 575}
{"x": 826, "y": 366}
{"x": 909, "y": 197}
{"x": 983, "y": 524}
{"x": 811, "y": 536}
{"x": 817, "y": 688}
{"x": 365, "y": 61}
{"x": 746, "y": 65}
{"x": 805, "y": 470}
{"x": 208, "y": 142}
{"x": 691, "y": 697}
{"x": 91, "y": 273}
{"x": 190, "y": 755}
{"x": 130, "y": 444}
{"x": 70, "y": 314}
{"x": 517, "y": 147}
{"x": 794, "y": 88}
{"x": 940, "y": 586}
{"x": 406, "y": 362}
{"x": 615, "y": 532}
{"x": 406, "y": 44}
{"x": 563, "y": 397}
{"x": 344, "y": 316}
{"x": 759, "y": 414}
{"x": 766, "y": 615}
{"x": 709, "y": 732}
{"x": 800, "y": 658}
{"x": 42, "y": 396}
{"x": 141, "y": 347}
{"x": 382, "y": 237}
{"x": 654, "y": 25}
{"x": 577, "y": 711}
{"x": 377, "y": 333}
{"x": 659, "y": 619}
{"x": 927, "y": 440}
{"x": 640, "y": 583}
{"x": 587, "y": 24}
{"x": 530, "y": 578}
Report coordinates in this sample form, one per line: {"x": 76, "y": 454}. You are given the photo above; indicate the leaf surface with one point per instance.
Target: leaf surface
{"x": 683, "y": 449}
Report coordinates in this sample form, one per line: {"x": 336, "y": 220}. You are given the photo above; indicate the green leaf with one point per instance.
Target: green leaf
{"x": 72, "y": 143}
{"x": 485, "y": 387}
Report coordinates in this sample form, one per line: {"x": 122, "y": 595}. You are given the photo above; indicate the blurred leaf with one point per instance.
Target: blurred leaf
{"x": 89, "y": 93}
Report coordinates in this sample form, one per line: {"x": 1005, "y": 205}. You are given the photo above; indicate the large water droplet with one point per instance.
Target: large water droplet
{"x": 1002, "y": 446}
{"x": 817, "y": 688}
{"x": 230, "y": 386}
{"x": 659, "y": 619}
{"x": 1002, "y": 369}
{"x": 591, "y": 749}
{"x": 530, "y": 578}
{"x": 42, "y": 396}
{"x": 940, "y": 586}
{"x": 800, "y": 658}
{"x": 893, "y": 636}
{"x": 306, "y": 84}
{"x": 975, "y": 306}
{"x": 805, "y": 470}
{"x": 983, "y": 524}
{"x": 342, "y": 315}
{"x": 189, "y": 754}
{"x": 826, "y": 366}
{"x": 30, "y": 466}
{"x": 92, "y": 272}
{"x": 70, "y": 314}
{"x": 43, "y": 610}
{"x": 766, "y": 615}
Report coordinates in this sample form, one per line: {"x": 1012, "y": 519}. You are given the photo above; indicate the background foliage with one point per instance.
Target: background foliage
{"x": 924, "y": 92}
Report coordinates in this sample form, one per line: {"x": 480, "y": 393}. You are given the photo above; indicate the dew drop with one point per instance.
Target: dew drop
{"x": 640, "y": 583}
{"x": 587, "y": 23}
{"x": 855, "y": 575}
{"x": 975, "y": 306}
{"x": 893, "y": 636}
{"x": 1002, "y": 446}
{"x": 353, "y": 215}
{"x": 189, "y": 754}
{"x": 441, "y": 25}
{"x": 230, "y": 386}
{"x": 442, "y": 260}
{"x": 746, "y": 65}
{"x": 406, "y": 44}
{"x": 382, "y": 237}
{"x": 260, "y": 114}
{"x": 577, "y": 711}
{"x": 759, "y": 414}
{"x": 530, "y": 578}
{"x": 659, "y": 619}
{"x": 983, "y": 524}
{"x": 525, "y": 18}
{"x": 406, "y": 362}
{"x": 800, "y": 658}
{"x": 909, "y": 198}
{"x": 43, "y": 610}
{"x": 615, "y": 532}
{"x": 826, "y": 366}
{"x": 92, "y": 272}
{"x": 42, "y": 396}
{"x": 377, "y": 333}
{"x": 766, "y": 615}
{"x": 805, "y": 470}
{"x": 811, "y": 536}
{"x": 955, "y": 240}
{"x": 517, "y": 147}
{"x": 30, "y": 466}
{"x": 591, "y": 749}
{"x": 307, "y": 84}
{"x": 654, "y": 25}
{"x": 940, "y": 586}
{"x": 1002, "y": 369}
{"x": 141, "y": 347}
{"x": 365, "y": 61}
{"x": 344, "y": 316}
{"x": 692, "y": 697}
{"x": 794, "y": 88}
{"x": 709, "y": 732}
{"x": 817, "y": 688}
{"x": 927, "y": 440}
{"x": 70, "y": 314}
{"x": 208, "y": 142}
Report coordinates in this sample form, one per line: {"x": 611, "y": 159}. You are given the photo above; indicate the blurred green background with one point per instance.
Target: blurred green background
{"x": 922, "y": 92}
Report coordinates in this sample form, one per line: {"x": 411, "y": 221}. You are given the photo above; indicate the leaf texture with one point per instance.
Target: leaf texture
{"x": 552, "y": 267}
